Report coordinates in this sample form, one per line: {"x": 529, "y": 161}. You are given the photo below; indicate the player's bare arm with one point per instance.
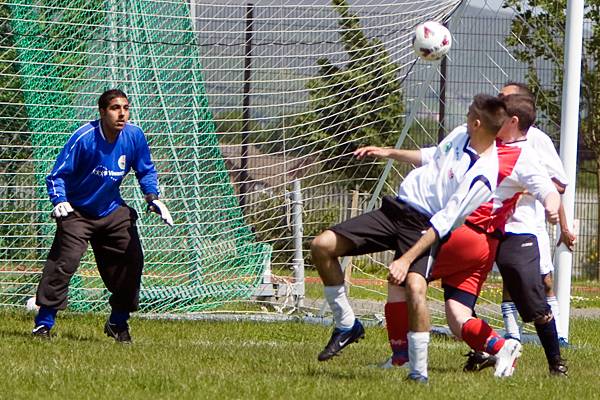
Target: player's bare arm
{"x": 409, "y": 156}
{"x": 552, "y": 204}
{"x": 559, "y": 186}
{"x": 566, "y": 236}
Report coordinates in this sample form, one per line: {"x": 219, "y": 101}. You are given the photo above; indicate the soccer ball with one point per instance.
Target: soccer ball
{"x": 431, "y": 41}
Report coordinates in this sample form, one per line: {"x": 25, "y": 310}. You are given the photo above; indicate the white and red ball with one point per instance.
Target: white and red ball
{"x": 431, "y": 41}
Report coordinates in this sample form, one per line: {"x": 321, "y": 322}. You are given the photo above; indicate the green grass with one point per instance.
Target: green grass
{"x": 245, "y": 360}
{"x": 585, "y": 294}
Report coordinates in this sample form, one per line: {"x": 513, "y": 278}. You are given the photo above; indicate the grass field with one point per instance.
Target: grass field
{"x": 250, "y": 360}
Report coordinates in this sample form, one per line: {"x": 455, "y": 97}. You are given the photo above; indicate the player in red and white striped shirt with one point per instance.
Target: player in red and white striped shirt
{"x": 518, "y": 261}
{"x": 543, "y": 146}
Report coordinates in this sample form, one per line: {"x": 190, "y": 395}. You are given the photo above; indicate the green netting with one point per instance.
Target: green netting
{"x": 71, "y": 51}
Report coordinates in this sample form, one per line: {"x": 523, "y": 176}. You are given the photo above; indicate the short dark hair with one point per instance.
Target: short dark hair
{"x": 490, "y": 110}
{"x": 106, "y": 97}
{"x": 522, "y": 107}
{"x": 523, "y": 88}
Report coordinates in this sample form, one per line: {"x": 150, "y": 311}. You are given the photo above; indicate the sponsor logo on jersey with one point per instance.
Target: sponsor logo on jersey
{"x": 122, "y": 161}
{"x": 101, "y": 170}
{"x": 448, "y": 147}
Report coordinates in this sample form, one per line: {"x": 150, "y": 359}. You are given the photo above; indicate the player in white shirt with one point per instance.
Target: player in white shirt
{"x": 432, "y": 201}
{"x": 466, "y": 257}
{"x": 543, "y": 145}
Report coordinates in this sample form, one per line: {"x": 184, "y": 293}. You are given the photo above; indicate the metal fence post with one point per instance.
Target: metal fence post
{"x": 298, "y": 232}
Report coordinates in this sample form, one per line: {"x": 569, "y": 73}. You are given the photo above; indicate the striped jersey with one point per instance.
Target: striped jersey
{"x": 453, "y": 184}
{"x": 543, "y": 146}
{"x": 529, "y": 215}
{"x": 89, "y": 170}
{"x": 519, "y": 170}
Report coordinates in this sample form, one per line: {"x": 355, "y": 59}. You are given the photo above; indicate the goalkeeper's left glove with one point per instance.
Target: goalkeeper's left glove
{"x": 159, "y": 207}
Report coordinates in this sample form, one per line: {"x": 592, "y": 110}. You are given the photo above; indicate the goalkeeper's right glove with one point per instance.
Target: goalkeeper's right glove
{"x": 159, "y": 207}
{"x": 62, "y": 209}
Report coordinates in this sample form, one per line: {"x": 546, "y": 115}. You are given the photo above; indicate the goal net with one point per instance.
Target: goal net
{"x": 252, "y": 113}
{"x": 65, "y": 54}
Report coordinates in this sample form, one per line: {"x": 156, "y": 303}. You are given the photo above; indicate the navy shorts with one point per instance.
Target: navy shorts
{"x": 395, "y": 226}
{"x": 518, "y": 261}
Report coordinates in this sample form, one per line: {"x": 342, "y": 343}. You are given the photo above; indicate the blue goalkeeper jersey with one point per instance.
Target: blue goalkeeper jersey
{"x": 88, "y": 171}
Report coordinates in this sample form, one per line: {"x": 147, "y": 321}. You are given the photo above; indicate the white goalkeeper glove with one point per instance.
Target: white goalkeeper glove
{"x": 159, "y": 207}
{"x": 62, "y": 209}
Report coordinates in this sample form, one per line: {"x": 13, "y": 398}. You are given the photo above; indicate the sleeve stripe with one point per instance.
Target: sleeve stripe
{"x": 483, "y": 179}
{"x": 473, "y": 156}
{"x": 57, "y": 170}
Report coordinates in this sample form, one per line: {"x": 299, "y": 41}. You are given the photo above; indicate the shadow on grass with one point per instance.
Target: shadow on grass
{"x": 20, "y": 334}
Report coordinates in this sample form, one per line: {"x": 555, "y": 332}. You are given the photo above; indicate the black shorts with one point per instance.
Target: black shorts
{"x": 395, "y": 226}
{"x": 518, "y": 261}
{"x": 465, "y": 298}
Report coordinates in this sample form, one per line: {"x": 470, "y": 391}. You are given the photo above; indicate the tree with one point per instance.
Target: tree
{"x": 355, "y": 104}
{"x": 538, "y": 35}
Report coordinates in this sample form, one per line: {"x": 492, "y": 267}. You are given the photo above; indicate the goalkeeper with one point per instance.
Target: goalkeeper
{"x": 84, "y": 189}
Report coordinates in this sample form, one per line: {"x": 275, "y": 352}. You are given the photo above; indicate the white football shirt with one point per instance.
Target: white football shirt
{"x": 531, "y": 176}
{"x": 544, "y": 148}
{"x": 453, "y": 184}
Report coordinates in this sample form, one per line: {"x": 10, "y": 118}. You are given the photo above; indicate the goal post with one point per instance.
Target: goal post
{"x": 569, "y": 137}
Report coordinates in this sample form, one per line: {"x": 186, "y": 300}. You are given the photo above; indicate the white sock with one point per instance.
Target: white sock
{"x": 511, "y": 319}
{"x": 418, "y": 343}
{"x": 553, "y": 303}
{"x": 343, "y": 315}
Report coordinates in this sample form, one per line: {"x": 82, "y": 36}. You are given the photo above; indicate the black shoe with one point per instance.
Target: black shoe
{"x": 340, "y": 339}
{"x": 478, "y": 360}
{"x": 41, "y": 331}
{"x": 121, "y": 335}
{"x": 558, "y": 367}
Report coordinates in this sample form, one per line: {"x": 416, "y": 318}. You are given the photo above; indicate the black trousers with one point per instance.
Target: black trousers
{"x": 117, "y": 249}
{"x": 518, "y": 260}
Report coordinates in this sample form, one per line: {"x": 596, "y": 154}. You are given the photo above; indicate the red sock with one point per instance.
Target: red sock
{"x": 396, "y": 322}
{"x": 481, "y": 337}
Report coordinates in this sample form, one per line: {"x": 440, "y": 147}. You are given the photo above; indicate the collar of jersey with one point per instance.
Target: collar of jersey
{"x": 471, "y": 152}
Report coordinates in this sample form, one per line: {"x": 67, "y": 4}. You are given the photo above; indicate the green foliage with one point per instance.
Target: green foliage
{"x": 590, "y": 262}
{"x": 538, "y": 36}
{"x": 230, "y": 127}
{"x": 352, "y": 105}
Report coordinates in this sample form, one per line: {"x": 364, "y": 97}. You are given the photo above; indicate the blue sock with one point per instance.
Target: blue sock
{"x": 46, "y": 316}
{"x": 119, "y": 318}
